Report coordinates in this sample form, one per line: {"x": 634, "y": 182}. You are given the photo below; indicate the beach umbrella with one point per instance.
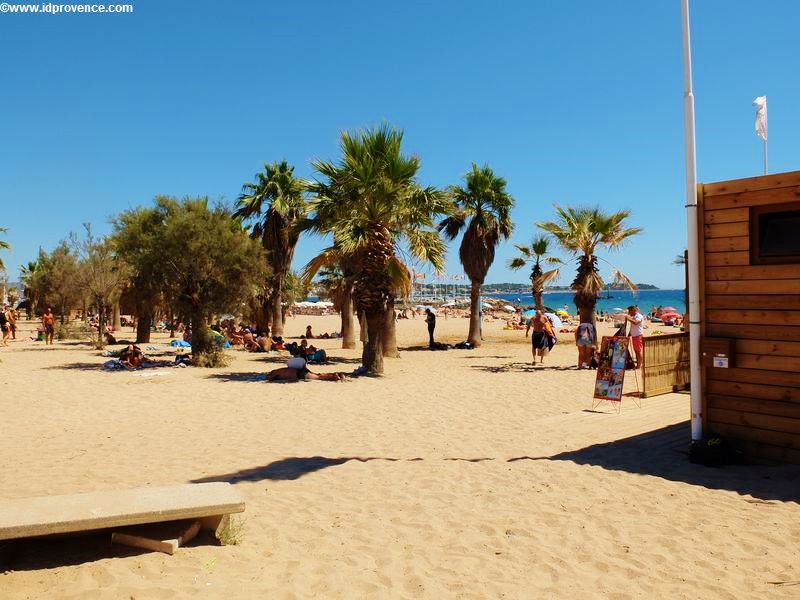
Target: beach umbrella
{"x": 669, "y": 315}
{"x": 509, "y": 308}
{"x": 669, "y": 309}
{"x": 618, "y": 309}
{"x": 529, "y": 313}
{"x": 554, "y": 319}
{"x": 562, "y": 313}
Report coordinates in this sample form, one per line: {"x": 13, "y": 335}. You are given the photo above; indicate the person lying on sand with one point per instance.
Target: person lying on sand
{"x": 132, "y": 357}
{"x": 302, "y": 373}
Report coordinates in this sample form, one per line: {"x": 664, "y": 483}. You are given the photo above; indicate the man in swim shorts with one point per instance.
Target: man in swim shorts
{"x": 49, "y": 324}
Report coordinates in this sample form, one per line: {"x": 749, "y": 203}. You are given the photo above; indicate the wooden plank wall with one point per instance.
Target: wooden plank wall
{"x": 665, "y": 364}
{"x": 756, "y": 403}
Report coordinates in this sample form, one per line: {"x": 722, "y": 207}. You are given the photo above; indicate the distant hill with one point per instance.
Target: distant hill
{"x": 521, "y": 288}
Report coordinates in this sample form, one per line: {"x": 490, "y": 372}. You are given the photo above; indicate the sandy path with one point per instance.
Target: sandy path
{"x": 461, "y": 474}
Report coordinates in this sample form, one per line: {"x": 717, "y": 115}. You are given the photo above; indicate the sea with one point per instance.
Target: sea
{"x": 620, "y": 299}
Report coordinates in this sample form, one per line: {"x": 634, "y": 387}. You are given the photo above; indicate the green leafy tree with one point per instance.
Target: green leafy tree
{"x": 375, "y": 209}
{"x": 483, "y": 213}
{"x": 101, "y": 274}
{"x": 209, "y": 263}
{"x": 59, "y": 277}
{"x": 276, "y": 202}
{"x": 137, "y": 239}
{"x": 582, "y": 232}
{"x": 537, "y": 254}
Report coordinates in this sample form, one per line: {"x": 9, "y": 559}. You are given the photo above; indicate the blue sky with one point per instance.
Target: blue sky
{"x": 574, "y": 102}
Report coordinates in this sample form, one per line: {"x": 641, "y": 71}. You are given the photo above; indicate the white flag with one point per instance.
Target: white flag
{"x": 761, "y": 116}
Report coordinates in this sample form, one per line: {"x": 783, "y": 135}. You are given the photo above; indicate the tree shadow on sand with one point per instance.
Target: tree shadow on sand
{"x": 289, "y": 469}
{"x": 332, "y": 360}
{"x": 519, "y": 367}
{"x": 664, "y": 453}
{"x": 77, "y": 366}
{"x": 246, "y": 377}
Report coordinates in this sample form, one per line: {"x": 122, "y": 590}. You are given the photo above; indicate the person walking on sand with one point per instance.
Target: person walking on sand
{"x": 635, "y": 318}
{"x": 12, "y": 322}
{"x": 430, "y": 319}
{"x": 586, "y": 340}
{"x": 49, "y": 324}
{"x": 4, "y": 325}
{"x": 539, "y": 342}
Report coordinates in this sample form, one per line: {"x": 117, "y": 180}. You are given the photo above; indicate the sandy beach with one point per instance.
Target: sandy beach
{"x": 459, "y": 474}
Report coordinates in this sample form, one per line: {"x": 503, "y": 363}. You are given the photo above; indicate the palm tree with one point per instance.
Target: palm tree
{"x": 336, "y": 277}
{"x": 276, "y": 200}
{"x": 372, "y": 204}
{"x": 483, "y": 207}
{"x": 536, "y": 254}
{"x": 582, "y": 232}
{"x": 28, "y": 274}
{"x": 4, "y": 245}
{"x": 13, "y": 296}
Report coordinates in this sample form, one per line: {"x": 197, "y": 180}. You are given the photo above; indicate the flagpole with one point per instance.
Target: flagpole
{"x": 693, "y": 234}
{"x": 765, "y": 157}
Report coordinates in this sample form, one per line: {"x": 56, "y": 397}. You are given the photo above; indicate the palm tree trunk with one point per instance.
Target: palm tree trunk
{"x": 276, "y": 311}
{"x": 372, "y": 356}
{"x": 586, "y": 307}
{"x": 474, "y": 337}
{"x": 348, "y": 329}
{"x": 117, "y": 317}
{"x": 538, "y": 300}
{"x": 143, "y": 317}
{"x": 390, "y": 334}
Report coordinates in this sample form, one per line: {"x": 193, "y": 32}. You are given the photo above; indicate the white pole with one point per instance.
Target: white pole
{"x": 691, "y": 217}
{"x": 765, "y": 157}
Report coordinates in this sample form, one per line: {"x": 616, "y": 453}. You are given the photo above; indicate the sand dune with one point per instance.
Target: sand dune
{"x": 461, "y": 474}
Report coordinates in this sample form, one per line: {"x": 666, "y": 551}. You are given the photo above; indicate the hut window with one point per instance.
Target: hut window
{"x": 775, "y": 234}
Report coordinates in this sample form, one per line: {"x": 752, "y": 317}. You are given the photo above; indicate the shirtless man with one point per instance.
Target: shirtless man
{"x": 539, "y": 342}
{"x": 49, "y": 324}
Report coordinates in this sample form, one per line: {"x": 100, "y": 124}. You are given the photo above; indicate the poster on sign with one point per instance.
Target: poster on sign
{"x": 611, "y": 368}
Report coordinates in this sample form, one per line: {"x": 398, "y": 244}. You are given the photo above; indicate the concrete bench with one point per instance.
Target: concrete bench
{"x": 208, "y": 503}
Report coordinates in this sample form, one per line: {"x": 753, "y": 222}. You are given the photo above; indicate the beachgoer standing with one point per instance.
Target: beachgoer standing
{"x": 49, "y": 324}
{"x": 539, "y": 338}
{"x": 4, "y": 325}
{"x": 635, "y": 318}
{"x": 430, "y": 319}
{"x": 585, "y": 339}
{"x": 12, "y": 322}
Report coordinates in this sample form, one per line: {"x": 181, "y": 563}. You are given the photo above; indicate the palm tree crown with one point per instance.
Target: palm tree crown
{"x": 582, "y": 231}
{"x": 276, "y": 202}
{"x": 483, "y": 211}
{"x": 375, "y": 209}
{"x": 536, "y": 254}
{"x": 4, "y": 245}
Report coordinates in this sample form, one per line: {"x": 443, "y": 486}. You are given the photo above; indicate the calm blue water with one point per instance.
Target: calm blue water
{"x": 619, "y": 299}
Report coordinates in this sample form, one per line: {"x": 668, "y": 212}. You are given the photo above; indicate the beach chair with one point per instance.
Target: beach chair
{"x": 189, "y": 507}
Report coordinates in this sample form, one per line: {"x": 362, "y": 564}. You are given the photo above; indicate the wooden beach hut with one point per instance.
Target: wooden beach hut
{"x": 749, "y": 253}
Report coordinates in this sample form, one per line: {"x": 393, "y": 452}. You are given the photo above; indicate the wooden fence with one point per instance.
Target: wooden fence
{"x": 665, "y": 363}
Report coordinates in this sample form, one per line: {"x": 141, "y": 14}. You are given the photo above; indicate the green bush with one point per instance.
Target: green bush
{"x": 73, "y": 331}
